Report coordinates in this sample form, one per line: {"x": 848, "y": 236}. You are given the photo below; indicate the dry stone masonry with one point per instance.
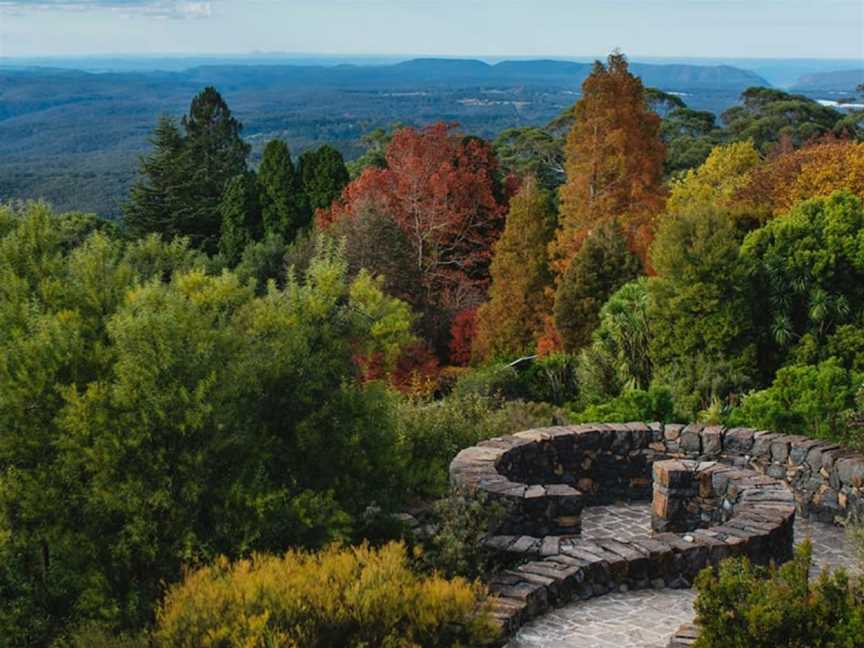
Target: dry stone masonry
{"x": 716, "y": 493}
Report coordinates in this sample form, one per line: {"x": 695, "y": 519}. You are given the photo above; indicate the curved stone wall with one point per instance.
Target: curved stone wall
{"x": 722, "y": 505}
{"x": 751, "y": 482}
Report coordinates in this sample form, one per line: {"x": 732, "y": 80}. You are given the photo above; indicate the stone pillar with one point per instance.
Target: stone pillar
{"x": 676, "y": 489}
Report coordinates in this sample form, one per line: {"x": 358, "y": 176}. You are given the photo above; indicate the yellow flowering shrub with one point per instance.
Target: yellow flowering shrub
{"x": 358, "y": 597}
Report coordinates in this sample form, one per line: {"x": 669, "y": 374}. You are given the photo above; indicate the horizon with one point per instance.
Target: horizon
{"x": 397, "y": 57}
{"x": 762, "y": 29}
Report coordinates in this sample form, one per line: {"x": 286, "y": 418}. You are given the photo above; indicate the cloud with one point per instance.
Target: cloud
{"x": 158, "y": 8}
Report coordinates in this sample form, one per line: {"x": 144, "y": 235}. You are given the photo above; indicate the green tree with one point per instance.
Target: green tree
{"x": 323, "y": 175}
{"x": 157, "y": 200}
{"x": 375, "y": 155}
{"x": 512, "y": 320}
{"x": 603, "y": 264}
{"x": 284, "y": 209}
{"x": 768, "y": 116}
{"x": 619, "y": 355}
{"x": 241, "y": 216}
{"x": 183, "y": 179}
{"x": 532, "y": 151}
{"x": 700, "y": 309}
{"x": 53, "y": 308}
{"x": 808, "y": 268}
{"x": 153, "y": 417}
{"x": 690, "y": 135}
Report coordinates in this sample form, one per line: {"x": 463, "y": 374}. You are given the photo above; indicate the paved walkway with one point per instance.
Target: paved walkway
{"x": 645, "y": 618}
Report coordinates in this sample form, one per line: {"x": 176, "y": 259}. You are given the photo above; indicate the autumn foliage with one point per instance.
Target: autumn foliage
{"x": 816, "y": 170}
{"x": 441, "y": 188}
{"x": 614, "y": 162}
{"x": 462, "y": 332}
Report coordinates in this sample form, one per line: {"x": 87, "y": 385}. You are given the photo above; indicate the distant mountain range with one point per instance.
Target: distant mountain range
{"x": 74, "y": 136}
{"x": 842, "y": 81}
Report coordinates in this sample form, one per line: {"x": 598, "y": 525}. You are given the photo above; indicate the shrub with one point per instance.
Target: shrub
{"x": 493, "y": 381}
{"x": 655, "y": 404}
{"x": 431, "y": 433}
{"x": 337, "y": 598}
{"x": 456, "y": 548}
{"x": 94, "y": 635}
{"x": 804, "y": 399}
{"x": 619, "y": 354}
{"x": 551, "y": 379}
{"x": 741, "y": 606}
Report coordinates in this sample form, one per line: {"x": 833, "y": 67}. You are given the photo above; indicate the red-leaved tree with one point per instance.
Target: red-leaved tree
{"x": 443, "y": 191}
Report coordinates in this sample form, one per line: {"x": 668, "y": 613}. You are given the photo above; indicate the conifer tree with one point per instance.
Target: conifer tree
{"x": 284, "y": 208}
{"x": 323, "y": 175}
{"x": 603, "y": 264}
{"x": 614, "y": 162}
{"x": 241, "y": 216}
{"x": 509, "y": 323}
{"x": 155, "y": 198}
{"x": 183, "y": 179}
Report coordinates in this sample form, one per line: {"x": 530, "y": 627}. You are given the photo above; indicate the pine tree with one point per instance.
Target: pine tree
{"x": 324, "y": 175}
{"x": 603, "y": 264}
{"x": 284, "y": 208}
{"x": 614, "y": 162}
{"x": 241, "y": 216}
{"x": 215, "y": 152}
{"x": 509, "y": 323}
{"x": 184, "y": 178}
{"x": 154, "y": 199}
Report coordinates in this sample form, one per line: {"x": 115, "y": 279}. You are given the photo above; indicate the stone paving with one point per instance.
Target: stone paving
{"x": 645, "y": 618}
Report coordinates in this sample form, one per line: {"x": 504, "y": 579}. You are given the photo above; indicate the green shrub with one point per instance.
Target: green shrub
{"x": 336, "y": 598}
{"x": 456, "y": 548}
{"x": 655, "y": 404}
{"x": 808, "y": 399}
{"x": 551, "y": 379}
{"x": 741, "y": 606}
{"x": 94, "y": 635}
{"x": 493, "y": 381}
{"x": 431, "y": 433}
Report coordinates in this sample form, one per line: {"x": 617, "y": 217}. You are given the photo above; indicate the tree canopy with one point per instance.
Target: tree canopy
{"x": 614, "y": 161}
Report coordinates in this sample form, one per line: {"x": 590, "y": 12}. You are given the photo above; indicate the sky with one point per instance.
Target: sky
{"x": 491, "y": 28}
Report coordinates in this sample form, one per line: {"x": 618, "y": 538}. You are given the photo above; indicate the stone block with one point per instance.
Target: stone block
{"x": 712, "y": 440}
{"x": 850, "y": 470}
{"x": 738, "y": 441}
{"x": 691, "y": 440}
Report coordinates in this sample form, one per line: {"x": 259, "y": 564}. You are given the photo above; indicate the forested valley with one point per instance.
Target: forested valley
{"x": 226, "y": 417}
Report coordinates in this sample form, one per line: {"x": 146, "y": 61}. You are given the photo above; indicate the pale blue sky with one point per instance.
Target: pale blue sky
{"x": 709, "y": 28}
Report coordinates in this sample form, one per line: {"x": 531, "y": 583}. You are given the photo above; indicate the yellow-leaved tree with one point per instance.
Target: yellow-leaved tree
{"x": 717, "y": 181}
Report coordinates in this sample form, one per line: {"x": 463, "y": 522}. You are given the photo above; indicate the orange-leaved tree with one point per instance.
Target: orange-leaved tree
{"x": 614, "y": 162}
{"x": 818, "y": 169}
{"x": 511, "y": 321}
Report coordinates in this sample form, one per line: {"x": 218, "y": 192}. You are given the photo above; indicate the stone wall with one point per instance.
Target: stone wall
{"x": 545, "y": 477}
{"x": 706, "y": 499}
